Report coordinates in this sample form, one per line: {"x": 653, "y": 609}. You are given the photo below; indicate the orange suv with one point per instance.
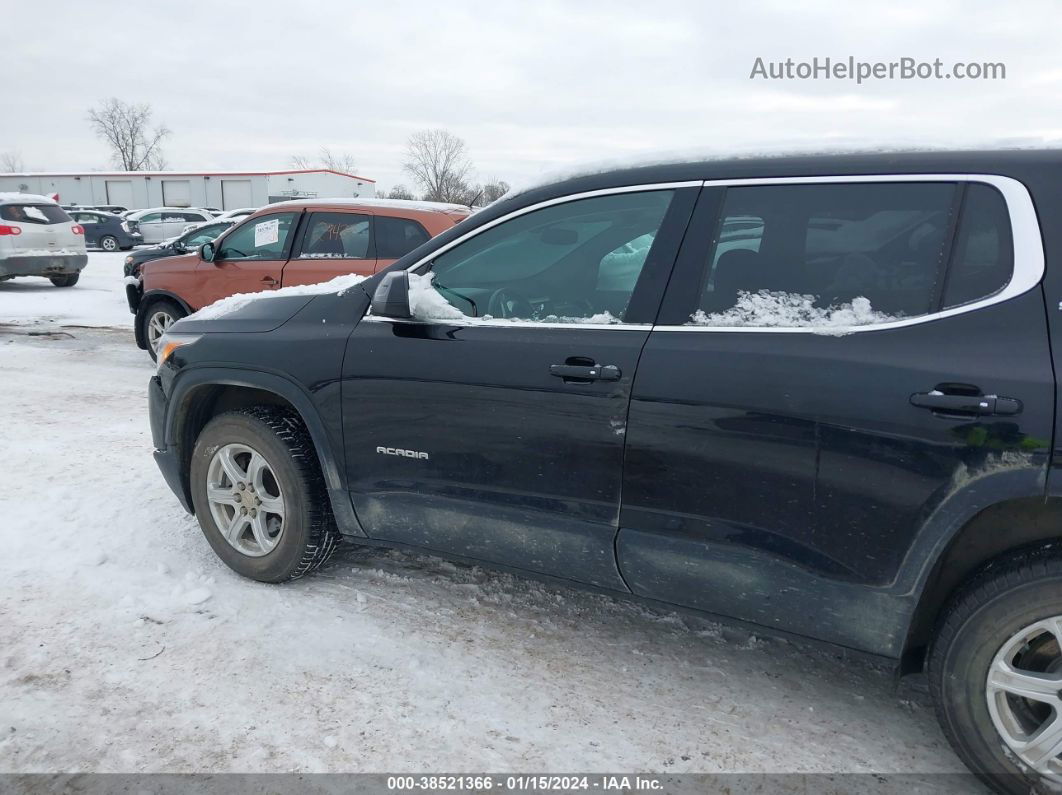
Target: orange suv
{"x": 296, "y": 242}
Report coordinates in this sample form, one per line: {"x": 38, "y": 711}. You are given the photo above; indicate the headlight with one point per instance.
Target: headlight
{"x": 129, "y": 260}
{"x": 170, "y": 343}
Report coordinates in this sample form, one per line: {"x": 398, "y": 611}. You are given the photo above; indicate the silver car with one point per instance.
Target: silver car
{"x": 38, "y": 238}
{"x": 161, "y": 223}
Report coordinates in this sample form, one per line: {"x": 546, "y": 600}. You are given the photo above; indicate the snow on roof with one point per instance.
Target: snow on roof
{"x": 22, "y": 198}
{"x": 405, "y": 204}
{"x": 833, "y": 146}
{"x": 185, "y": 173}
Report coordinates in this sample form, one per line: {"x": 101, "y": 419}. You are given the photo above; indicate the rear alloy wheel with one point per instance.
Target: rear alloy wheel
{"x": 259, "y": 494}
{"x": 109, "y": 243}
{"x": 66, "y": 280}
{"x": 995, "y": 672}
{"x": 156, "y": 321}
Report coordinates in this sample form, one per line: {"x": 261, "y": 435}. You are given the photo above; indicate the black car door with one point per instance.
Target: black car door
{"x": 821, "y": 387}
{"x": 492, "y": 425}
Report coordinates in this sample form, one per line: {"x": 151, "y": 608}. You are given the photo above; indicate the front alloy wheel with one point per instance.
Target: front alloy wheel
{"x": 245, "y": 498}
{"x": 156, "y": 321}
{"x": 259, "y": 494}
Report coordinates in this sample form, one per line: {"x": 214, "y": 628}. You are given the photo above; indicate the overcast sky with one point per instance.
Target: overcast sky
{"x": 531, "y": 87}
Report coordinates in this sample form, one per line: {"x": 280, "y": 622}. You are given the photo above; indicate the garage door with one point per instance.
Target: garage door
{"x": 120, "y": 192}
{"x": 177, "y": 192}
{"x": 235, "y": 193}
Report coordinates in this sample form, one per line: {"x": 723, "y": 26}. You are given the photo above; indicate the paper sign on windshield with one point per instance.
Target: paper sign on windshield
{"x": 266, "y": 232}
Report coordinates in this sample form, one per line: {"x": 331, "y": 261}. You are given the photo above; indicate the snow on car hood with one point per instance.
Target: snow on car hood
{"x": 264, "y": 311}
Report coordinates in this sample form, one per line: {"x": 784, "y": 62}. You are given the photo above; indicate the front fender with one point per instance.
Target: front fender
{"x": 182, "y": 405}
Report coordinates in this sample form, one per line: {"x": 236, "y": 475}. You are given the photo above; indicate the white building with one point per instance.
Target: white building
{"x": 224, "y": 189}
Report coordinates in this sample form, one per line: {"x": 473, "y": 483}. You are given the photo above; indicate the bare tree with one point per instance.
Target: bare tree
{"x": 338, "y": 161}
{"x": 335, "y": 161}
{"x": 494, "y": 189}
{"x": 125, "y": 128}
{"x": 11, "y": 162}
{"x": 400, "y": 192}
{"x": 437, "y": 160}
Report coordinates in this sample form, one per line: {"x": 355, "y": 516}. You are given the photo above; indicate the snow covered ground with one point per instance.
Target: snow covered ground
{"x": 98, "y": 299}
{"x": 126, "y": 646}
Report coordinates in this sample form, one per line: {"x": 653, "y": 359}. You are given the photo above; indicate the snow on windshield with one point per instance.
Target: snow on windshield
{"x": 792, "y": 310}
{"x": 225, "y": 306}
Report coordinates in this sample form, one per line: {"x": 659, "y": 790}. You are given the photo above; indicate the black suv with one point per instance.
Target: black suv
{"x": 813, "y": 394}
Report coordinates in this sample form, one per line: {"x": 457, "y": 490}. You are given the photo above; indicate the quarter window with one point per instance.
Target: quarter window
{"x": 337, "y": 236}
{"x": 263, "y": 238}
{"x": 982, "y": 261}
{"x": 827, "y": 254}
{"x": 572, "y": 262}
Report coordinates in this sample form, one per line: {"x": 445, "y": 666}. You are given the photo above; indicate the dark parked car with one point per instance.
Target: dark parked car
{"x": 811, "y": 394}
{"x": 182, "y": 244}
{"x": 104, "y": 230}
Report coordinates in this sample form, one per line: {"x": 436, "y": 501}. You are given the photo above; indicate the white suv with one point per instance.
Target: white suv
{"x": 38, "y": 238}
{"x": 161, "y": 223}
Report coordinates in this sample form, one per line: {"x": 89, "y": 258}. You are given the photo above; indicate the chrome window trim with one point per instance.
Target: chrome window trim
{"x": 1025, "y": 233}
{"x": 473, "y": 322}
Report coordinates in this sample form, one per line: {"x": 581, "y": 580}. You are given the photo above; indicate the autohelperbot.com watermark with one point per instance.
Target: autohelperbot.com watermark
{"x": 859, "y": 71}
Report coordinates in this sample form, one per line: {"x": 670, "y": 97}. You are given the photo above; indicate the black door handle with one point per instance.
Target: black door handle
{"x": 978, "y": 405}
{"x": 586, "y": 372}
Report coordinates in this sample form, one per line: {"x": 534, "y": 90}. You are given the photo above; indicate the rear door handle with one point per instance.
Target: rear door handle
{"x": 979, "y": 405}
{"x": 269, "y": 281}
{"x": 586, "y": 372}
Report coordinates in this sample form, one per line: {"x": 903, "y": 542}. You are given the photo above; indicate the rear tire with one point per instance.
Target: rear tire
{"x": 109, "y": 243}
{"x": 1004, "y": 625}
{"x": 66, "y": 280}
{"x": 155, "y": 321}
{"x": 300, "y": 532}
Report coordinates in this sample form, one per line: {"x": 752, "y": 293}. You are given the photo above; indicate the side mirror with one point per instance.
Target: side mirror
{"x": 391, "y": 298}
{"x": 206, "y": 252}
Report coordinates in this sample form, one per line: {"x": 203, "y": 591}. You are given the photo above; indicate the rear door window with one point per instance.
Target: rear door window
{"x": 338, "y": 236}
{"x": 838, "y": 254}
{"x": 33, "y": 213}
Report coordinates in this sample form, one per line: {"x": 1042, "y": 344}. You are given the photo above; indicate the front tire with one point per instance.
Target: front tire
{"x": 155, "y": 321}
{"x": 66, "y": 280}
{"x": 259, "y": 494}
{"x": 109, "y": 243}
{"x": 995, "y": 672}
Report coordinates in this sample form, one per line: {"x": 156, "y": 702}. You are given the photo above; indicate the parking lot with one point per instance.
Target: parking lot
{"x": 128, "y": 646}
